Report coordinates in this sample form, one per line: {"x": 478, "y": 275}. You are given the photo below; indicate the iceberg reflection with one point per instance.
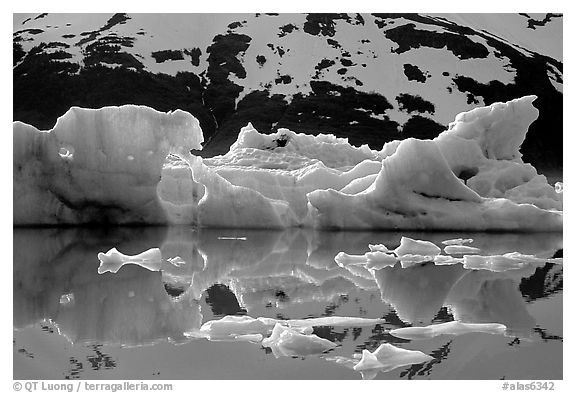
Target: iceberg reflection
{"x": 286, "y": 277}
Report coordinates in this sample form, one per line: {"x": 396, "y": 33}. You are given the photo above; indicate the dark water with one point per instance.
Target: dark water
{"x": 71, "y": 322}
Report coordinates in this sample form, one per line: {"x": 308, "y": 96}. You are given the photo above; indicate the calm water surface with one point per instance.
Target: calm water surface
{"x": 72, "y": 322}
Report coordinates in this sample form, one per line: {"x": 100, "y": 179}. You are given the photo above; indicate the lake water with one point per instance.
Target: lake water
{"x": 72, "y": 322}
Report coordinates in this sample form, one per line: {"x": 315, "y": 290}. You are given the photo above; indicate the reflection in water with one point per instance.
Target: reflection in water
{"x": 283, "y": 275}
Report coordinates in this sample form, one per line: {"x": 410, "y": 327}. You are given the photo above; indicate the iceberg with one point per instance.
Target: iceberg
{"x": 133, "y": 165}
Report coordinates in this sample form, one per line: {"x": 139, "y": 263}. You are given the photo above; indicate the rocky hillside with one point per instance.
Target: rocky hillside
{"x": 369, "y": 77}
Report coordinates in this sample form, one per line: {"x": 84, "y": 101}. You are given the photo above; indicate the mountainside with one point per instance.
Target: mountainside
{"x": 370, "y": 78}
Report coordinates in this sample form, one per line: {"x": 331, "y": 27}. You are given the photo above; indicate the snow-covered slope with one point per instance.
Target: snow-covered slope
{"x": 371, "y": 78}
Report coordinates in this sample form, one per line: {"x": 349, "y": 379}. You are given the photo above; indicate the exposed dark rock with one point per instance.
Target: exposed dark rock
{"x": 29, "y": 31}
{"x": 194, "y": 54}
{"x": 413, "y": 73}
{"x": 261, "y": 60}
{"x": 333, "y": 43}
{"x": 323, "y": 23}
{"x": 89, "y": 36}
{"x": 534, "y": 23}
{"x": 346, "y": 62}
{"x": 221, "y": 94}
{"x": 287, "y": 29}
{"x": 285, "y": 79}
{"x": 408, "y": 37}
{"x": 234, "y": 25}
{"x": 325, "y": 63}
{"x": 17, "y": 53}
{"x": 410, "y": 103}
{"x": 421, "y": 128}
{"x": 165, "y": 55}
{"x": 108, "y": 50}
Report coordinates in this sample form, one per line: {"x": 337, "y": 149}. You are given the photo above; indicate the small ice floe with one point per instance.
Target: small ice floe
{"x": 343, "y": 259}
{"x": 67, "y": 298}
{"x": 532, "y": 259}
{"x": 389, "y": 357}
{"x": 176, "y": 261}
{"x": 379, "y": 247}
{"x": 408, "y": 260}
{"x": 333, "y": 321}
{"x": 285, "y": 341}
{"x": 113, "y": 260}
{"x": 559, "y": 187}
{"x": 457, "y": 242}
{"x": 379, "y": 259}
{"x": 232, "y": 327}
{"x": 508, "y": 261}
{"x": 416, "y": 247}
{"x": 447, "y": 260}
{"x": 454, "y": 328}
{"x": 494, "y": 263}
{"x": 385, "y": 358}
{"x": 461, "y": 250}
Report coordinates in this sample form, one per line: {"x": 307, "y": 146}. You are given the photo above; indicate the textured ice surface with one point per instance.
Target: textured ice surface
{"x": 455, "y": 328}
{"x": 97, "y": 165}
{"x": 112, "y": 165}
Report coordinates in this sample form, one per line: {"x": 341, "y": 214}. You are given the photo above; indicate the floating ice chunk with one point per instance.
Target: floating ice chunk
{"x": 457, "y": 242}
{"x": 388, "y": 357}
{"x": 333, "y": 321}
{"x": 113, "y": 260}
{"x": 379, "y": 260}
{"x": 531, "y": 258}
{"x": 461, "y": 250}
{"x": 559, "y": 187}
{"x": 416, "y": 247}
{"x": 343, "y": 259}
{"x": 378, "y": 247}
{"x": 446, "y": 260}
{"x": 232, "y": 326}
{"x": 249, "y": 337}
{"x": 408, "y": 260}
{"x": 176, "y": 261}
{"x": 286, "y": 341}
{"x": 67, "y": 298}
{"x": 495, "y": 263}
{"x": 454, "y": 328}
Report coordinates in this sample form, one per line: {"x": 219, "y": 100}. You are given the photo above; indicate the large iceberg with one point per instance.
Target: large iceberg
{"x": 133, "y": 165}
